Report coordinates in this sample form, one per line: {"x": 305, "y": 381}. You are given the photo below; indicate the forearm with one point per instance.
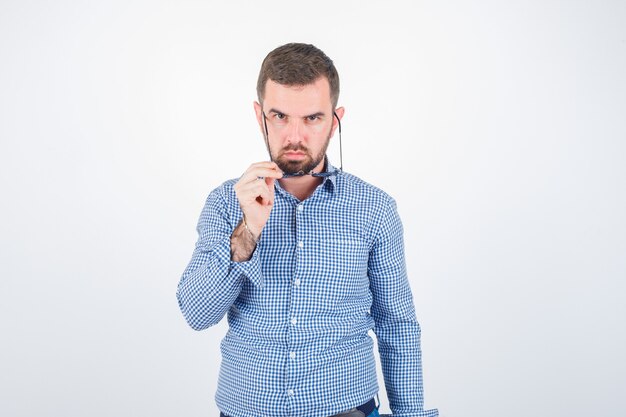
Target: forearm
{"x": 206, "y": 293}
{"x": 212, "y": 283}
{"x": 242, "y": 243}
{"x": 401, "y": 363}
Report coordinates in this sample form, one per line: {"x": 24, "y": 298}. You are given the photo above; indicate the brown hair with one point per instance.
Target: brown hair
{"x": 298, "y": 64}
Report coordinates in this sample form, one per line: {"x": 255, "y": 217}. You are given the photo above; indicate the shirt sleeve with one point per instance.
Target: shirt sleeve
{"x": 212, "y": 281}
{"x": 396, "y": 326}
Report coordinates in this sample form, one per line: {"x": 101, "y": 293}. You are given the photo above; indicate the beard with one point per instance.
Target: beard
{"x": 306, "y": 165}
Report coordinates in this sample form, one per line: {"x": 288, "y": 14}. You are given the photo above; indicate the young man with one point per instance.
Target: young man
{"x": 305, "y": 259}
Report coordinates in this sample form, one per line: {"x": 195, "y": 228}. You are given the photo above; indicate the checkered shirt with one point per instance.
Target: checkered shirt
{"x": 325, "y": 271}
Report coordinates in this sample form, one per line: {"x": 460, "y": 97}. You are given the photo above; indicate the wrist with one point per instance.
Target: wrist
{"x": 242, "y": 243}
{"x": 255, "y": 236}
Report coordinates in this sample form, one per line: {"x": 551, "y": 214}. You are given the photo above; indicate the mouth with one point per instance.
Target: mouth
{"x": 294, "y": 155}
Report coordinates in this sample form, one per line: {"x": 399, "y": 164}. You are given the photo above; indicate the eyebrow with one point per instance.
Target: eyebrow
{"x": 318, "y": 114}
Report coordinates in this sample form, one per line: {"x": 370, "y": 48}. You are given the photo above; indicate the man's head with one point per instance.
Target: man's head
{"x": 298, "y": 64}
{"x": 298, "y": 89}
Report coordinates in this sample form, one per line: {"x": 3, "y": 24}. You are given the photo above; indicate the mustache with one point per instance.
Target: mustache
{"x": 295, "y": 147}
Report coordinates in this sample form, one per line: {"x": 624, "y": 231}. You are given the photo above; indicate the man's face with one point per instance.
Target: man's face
{"x": 300, "y": 124}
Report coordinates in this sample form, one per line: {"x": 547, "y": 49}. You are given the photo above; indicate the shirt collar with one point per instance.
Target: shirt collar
{"x": 331, "y": 182}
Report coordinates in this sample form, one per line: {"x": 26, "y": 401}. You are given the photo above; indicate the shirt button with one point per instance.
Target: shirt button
{"x": 300, "y": 207}
{"x": 296, "y": 282}
{"x": 294, "y": 321}
{"x": 301, "y": 244}
{"x": 292, "y": 355}
{"x": 290, "y": 392}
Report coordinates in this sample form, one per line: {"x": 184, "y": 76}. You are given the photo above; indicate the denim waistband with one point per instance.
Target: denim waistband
{"x": 366, "y": 409}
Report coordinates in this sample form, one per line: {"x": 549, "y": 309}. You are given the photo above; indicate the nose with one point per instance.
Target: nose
{"x": 295, "y": 134}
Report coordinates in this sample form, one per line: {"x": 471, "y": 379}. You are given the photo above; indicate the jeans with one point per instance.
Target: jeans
{"x": 356, "y": 414}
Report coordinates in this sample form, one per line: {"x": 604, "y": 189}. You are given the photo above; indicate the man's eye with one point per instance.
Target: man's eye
{"x": 312, "y": 118}
{"x": 279, "y": 116}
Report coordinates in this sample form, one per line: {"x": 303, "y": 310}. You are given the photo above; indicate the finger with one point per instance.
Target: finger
{"x": 266, "y": 164}
{"x": 257, "y": 197}
{"x": 251, "y": 192}
{"x": 267, "y": 173}
{"x": 266, "y": 198}
{"x": 270, "y": 183}
{"x": 254, "y": 173}
{"x": 263, "y": 165}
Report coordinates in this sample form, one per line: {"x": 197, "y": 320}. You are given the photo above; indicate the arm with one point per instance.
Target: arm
{"x": 225, "y": 254}
{"x": 213, "y": 280}
{"x": 396, "y": 328}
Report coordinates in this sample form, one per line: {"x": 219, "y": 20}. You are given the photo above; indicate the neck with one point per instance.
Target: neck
{"x": 300, "y": 187}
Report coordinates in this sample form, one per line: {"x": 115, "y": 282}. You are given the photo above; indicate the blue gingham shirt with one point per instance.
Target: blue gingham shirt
{"x": 325, "y": 271}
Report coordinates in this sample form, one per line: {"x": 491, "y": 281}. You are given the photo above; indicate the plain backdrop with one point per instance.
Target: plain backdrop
{"x": 498, "y": 126}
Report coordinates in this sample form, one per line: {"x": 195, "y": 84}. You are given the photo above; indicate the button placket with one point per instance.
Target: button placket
{"x": 295, "y": 297}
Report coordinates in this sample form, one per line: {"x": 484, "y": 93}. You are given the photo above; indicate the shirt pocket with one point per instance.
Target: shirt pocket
{"x": 341, "y": 270}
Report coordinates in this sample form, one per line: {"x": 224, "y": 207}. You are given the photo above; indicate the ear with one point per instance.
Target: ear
{"x": 339, "y": 111}
{"x": 258, "y": 110}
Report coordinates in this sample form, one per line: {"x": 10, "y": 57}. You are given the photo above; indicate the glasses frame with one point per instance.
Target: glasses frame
{"x": 311, "y": 173}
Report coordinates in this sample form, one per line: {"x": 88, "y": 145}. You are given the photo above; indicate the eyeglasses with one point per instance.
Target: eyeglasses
{"x": 311, "y": 173}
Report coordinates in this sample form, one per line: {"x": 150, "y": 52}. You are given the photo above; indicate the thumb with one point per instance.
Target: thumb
{"x": 270, "y": 185}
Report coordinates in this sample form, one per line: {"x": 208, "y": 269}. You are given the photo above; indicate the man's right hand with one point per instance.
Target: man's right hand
{"x": 255, "y": 192}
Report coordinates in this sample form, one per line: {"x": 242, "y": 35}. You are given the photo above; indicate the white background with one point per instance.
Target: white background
{"x": 498, "y": 126}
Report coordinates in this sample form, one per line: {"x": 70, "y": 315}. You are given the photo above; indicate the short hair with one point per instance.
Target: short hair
{"x": 298, "y": 64}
